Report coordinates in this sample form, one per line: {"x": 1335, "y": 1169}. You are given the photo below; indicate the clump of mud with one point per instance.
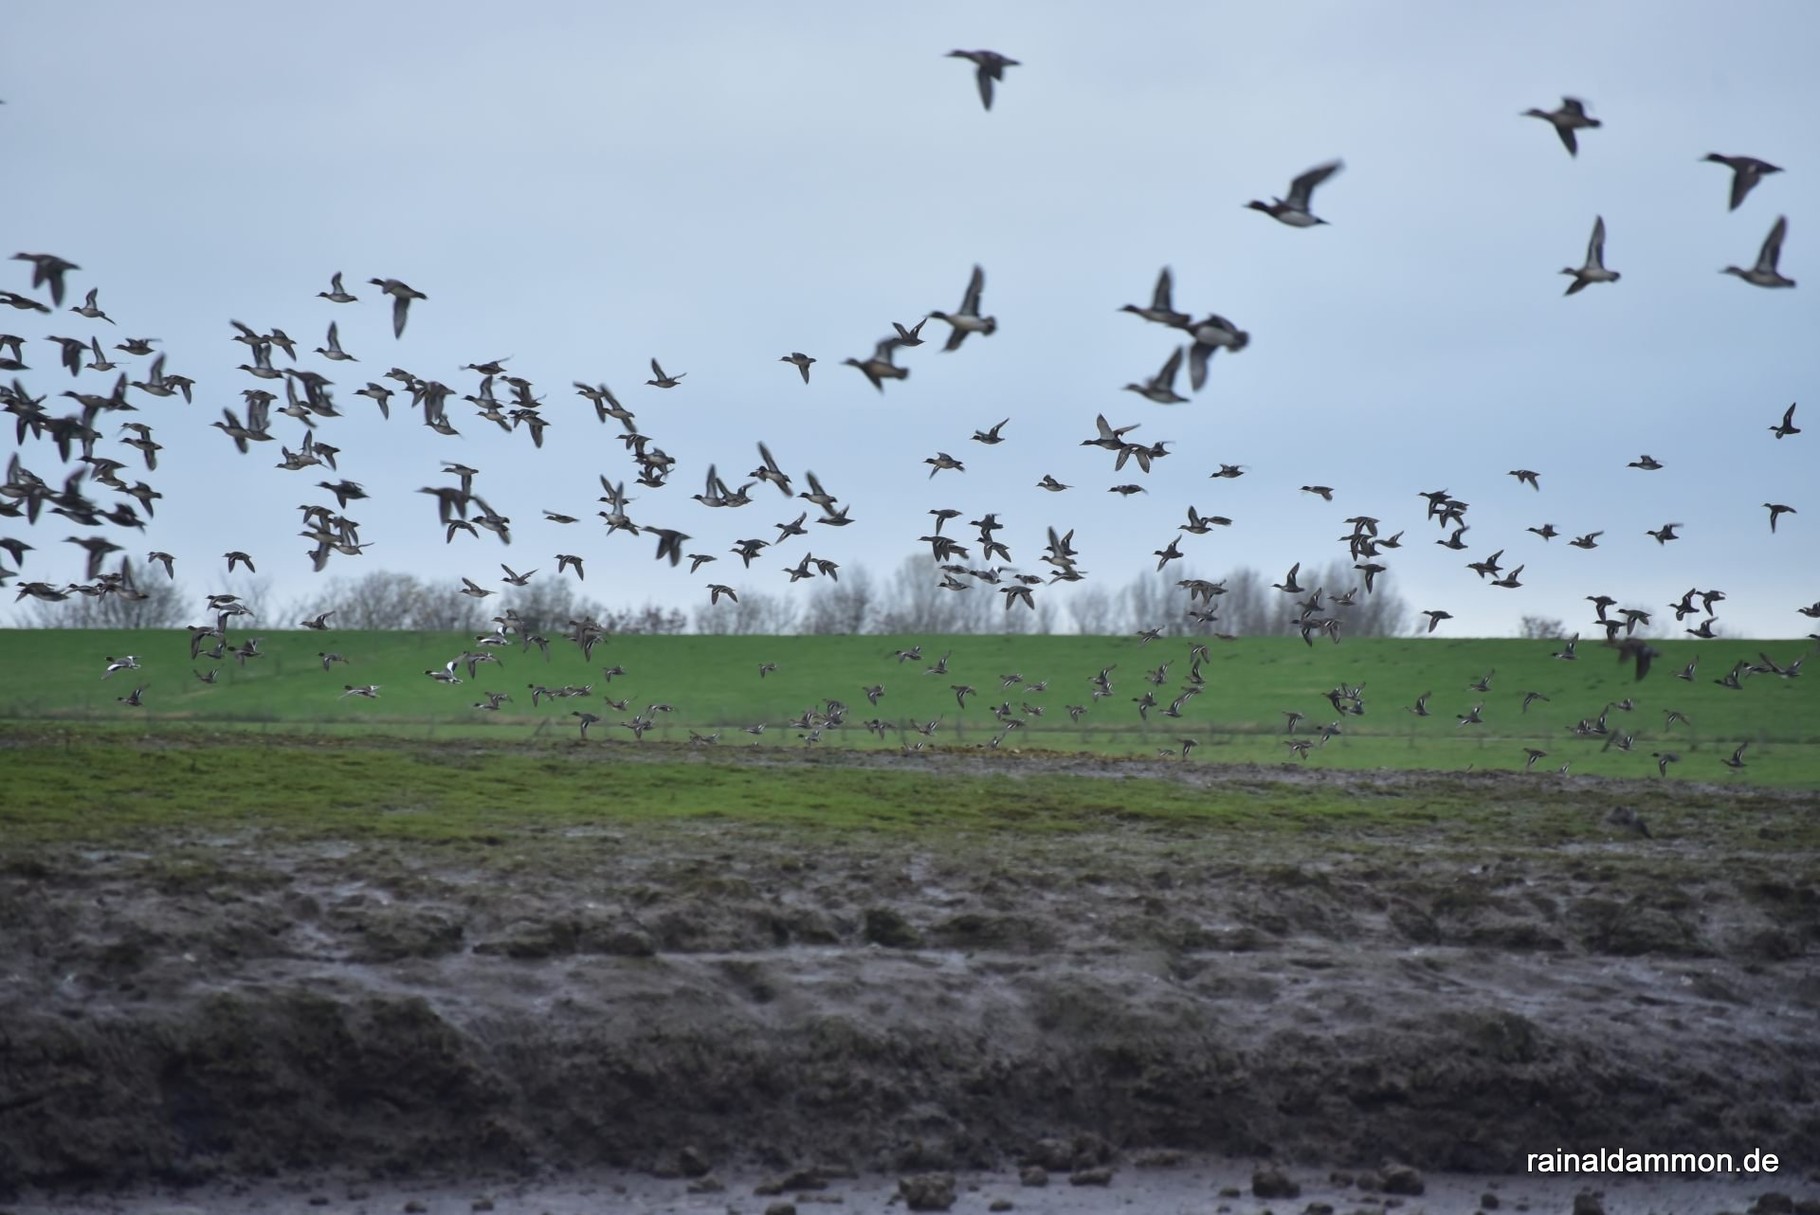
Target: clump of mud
{"x": 671, "y": 998}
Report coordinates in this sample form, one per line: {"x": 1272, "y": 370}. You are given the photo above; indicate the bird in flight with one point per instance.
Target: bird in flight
{"x": 968, "y": 319}
{"x": 799, "y": 360}
{"x": 1786, "y": 426}
{"x": 1294, "y": 210}
{"x": 988, "y": 67}
{"x": 1765, "y": 273}
{"x": 1594, "y": 270}
{"x": 1160, "y": 388}
{"x": 1569, "y": 118}
{"x": 402, "y": 295}
{"x": 1747, "y": 171}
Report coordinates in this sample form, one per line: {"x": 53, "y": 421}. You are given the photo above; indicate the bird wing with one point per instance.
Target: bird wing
{"x": 1772, "y": 245}
{"x": 970, "y": 303}
{"x": 1165, "y": 290}
{"x": 984, "y": 75}
{"x": 1302, "y": 188}
{"x": 1171, "y": 367}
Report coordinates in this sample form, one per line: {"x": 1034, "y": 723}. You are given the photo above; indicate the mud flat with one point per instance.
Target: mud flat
{"x": 662, "y": 1006}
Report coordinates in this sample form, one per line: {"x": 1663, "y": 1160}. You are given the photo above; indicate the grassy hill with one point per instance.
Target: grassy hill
{"x": 715, "y": 685}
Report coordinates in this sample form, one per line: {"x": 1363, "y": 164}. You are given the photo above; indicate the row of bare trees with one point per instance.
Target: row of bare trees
{"x": 912, "y": 600}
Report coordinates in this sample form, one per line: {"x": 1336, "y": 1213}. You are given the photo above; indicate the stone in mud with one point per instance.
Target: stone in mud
{"x": 927, "y": 1191}
{"x": 1271, "y": 1182}
{"x": 391, "y": 934}
{"x": 1402, "y": 1179}
{"x": 999, "y": 1204}
{"x": 1586, "y": 1202}
{"x": 1055, "y": 1155}
{"x": 707, "y": 1185}
{"x": 1488, "y": 1201}
{"x": 1774, "y": 1202}
{"x": 691, "y": 1163}
{"x": 530, "y": 940}
{"x": 619, "y": 942}
{"x": 794, "y": 1181}
{"x": 781, "y": 1208}
{"x": 886, "y": 927}
{"x": 1033, "y": 1175}
{"x": 1099, "y": 1174}
{"x": 1090, "y": 1151}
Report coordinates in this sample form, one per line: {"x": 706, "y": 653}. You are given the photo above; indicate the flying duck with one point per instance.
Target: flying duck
{"x": 968, "y": 319}
{"x": 660, "y": 380}
{"x": 1162, "y": 310}
{"x": 1293, "y": 210}
{"x": 1594, "y": 270}
{"x": 800, "y": 361}
{"x": 333, "y": 350}
{"x": 48, "y": 268}
{"x": 1211, "y": 335}
{"x": 1569, "y": 118}
{"x": 336, "y": 294}
{"x": 989, "y": 66}
{"x": 1786, "y": 427}
{"x": 880, "y": 366}
{"x": 992, "y": 436}
{"x": 92, "y": 310}
{"x": 1764, "y": 273}
{"x": 402, "y": 296}
{"x": 1160, "y": 387}
{"x": 1747, "y": 171}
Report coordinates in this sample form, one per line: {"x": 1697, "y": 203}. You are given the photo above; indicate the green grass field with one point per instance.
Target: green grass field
{"x": 714, "y": 684}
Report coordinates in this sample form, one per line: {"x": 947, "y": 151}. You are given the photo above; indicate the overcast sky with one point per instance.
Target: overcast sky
{"x": 582, "y": 187}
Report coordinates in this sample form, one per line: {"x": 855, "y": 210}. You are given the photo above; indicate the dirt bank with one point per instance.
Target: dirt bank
{"x": 679, "y": 998}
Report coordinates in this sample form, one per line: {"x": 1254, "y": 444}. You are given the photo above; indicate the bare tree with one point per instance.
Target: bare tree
{"x": 546, "y": 607}
{"x": 1379, "y": 612}
{"x": 754, "y": 612}
{"x": 159, "y": 604}
{"x": 843, "y": 606}
{"x": 1248, "y": 607}
{"x": 1541, "y": 628}
{"x": 387, "y": 600}
{"x": 647, "y": 618}
{"x": 915, "y": 602}
{"x": 1093, "y": 612}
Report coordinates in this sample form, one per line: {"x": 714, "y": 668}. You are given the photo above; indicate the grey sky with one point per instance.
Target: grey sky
{"x": 583, "y": 187}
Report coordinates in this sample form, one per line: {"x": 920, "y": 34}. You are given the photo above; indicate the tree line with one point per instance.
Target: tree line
{"x": 911, "y": 600}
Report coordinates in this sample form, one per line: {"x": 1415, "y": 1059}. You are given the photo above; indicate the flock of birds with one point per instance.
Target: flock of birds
{"x": 97, "y": 489}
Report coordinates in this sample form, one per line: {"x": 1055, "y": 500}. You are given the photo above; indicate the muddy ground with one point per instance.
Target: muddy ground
{"x": 680, "y": 1000}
